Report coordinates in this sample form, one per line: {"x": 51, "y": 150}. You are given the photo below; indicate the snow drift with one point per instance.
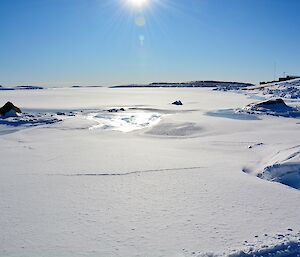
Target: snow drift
{"x": 282, "y": 167}
{"x": 275, "y": 107}
{"x": 286, "y": 89}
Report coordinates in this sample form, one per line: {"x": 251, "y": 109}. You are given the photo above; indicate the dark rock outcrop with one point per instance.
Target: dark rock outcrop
{"x": 271, "y": 102}
{"x": 9, "y": 107}
{"x": 116, "y": 110}
{"x": 277, "y": 105}
{"x": 178, "y": 102}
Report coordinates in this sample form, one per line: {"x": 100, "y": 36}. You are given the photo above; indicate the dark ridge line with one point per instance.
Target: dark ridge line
{"x": 124, "y": 174}
{"x": 190, "y": 84}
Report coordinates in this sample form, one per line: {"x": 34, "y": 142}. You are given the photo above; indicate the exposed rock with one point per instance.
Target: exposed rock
{"x": 9, "y": 110}
{"x": 178, "y": 102}
{"x": 116, "y": 110}
{"x": 270, "y": 102}
{"x": 277, "y": 105}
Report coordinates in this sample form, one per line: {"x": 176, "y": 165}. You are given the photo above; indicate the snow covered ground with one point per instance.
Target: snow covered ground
{"x": 191, "y": 180}
{"x": 287, "y": 89}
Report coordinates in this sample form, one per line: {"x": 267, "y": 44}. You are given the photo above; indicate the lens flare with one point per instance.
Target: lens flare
{"x": 137, "y": 3}
{"x": 140, "y": 21}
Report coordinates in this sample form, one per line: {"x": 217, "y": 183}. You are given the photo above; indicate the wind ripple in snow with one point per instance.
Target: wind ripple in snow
{"x": 187, "y": 129}
{"x": 137, "y": 172}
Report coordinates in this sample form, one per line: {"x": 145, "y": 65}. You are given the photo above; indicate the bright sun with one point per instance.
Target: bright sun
{"x": 138, "y": 3}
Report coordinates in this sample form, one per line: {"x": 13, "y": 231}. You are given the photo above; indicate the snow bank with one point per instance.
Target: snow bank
{"x": 286, "y": 89}
{"x": 282, "y": 167}
{"x": 287, "y": 246}
{"x": 28, "y": 120}
{"x": 286, "y": 249}
{"x": 288, "y": 174}
{"x": 276, "y": 107}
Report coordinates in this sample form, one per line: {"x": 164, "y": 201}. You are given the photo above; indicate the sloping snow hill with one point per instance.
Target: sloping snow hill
{"x": 287, "y": 89}
{"x": 282, "y": 167}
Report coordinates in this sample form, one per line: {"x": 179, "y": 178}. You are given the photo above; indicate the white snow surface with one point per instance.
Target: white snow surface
{"x": 175, "y": 188}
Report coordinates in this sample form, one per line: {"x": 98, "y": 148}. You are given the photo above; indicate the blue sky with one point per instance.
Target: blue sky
{"x": 110, "y": 42}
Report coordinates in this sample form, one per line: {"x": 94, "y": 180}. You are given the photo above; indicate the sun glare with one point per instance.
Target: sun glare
{"x": 138, "y": 3}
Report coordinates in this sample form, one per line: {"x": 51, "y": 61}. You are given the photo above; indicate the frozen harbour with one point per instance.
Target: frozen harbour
{"x": 154, "y": 180}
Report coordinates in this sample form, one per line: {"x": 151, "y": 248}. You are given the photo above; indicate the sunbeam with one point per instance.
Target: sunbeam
{"x": 138, "y": 3}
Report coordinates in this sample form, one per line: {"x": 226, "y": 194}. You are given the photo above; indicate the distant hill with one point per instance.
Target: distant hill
{"x": 208, "y": 83}
{"x": 21, "y": 88}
